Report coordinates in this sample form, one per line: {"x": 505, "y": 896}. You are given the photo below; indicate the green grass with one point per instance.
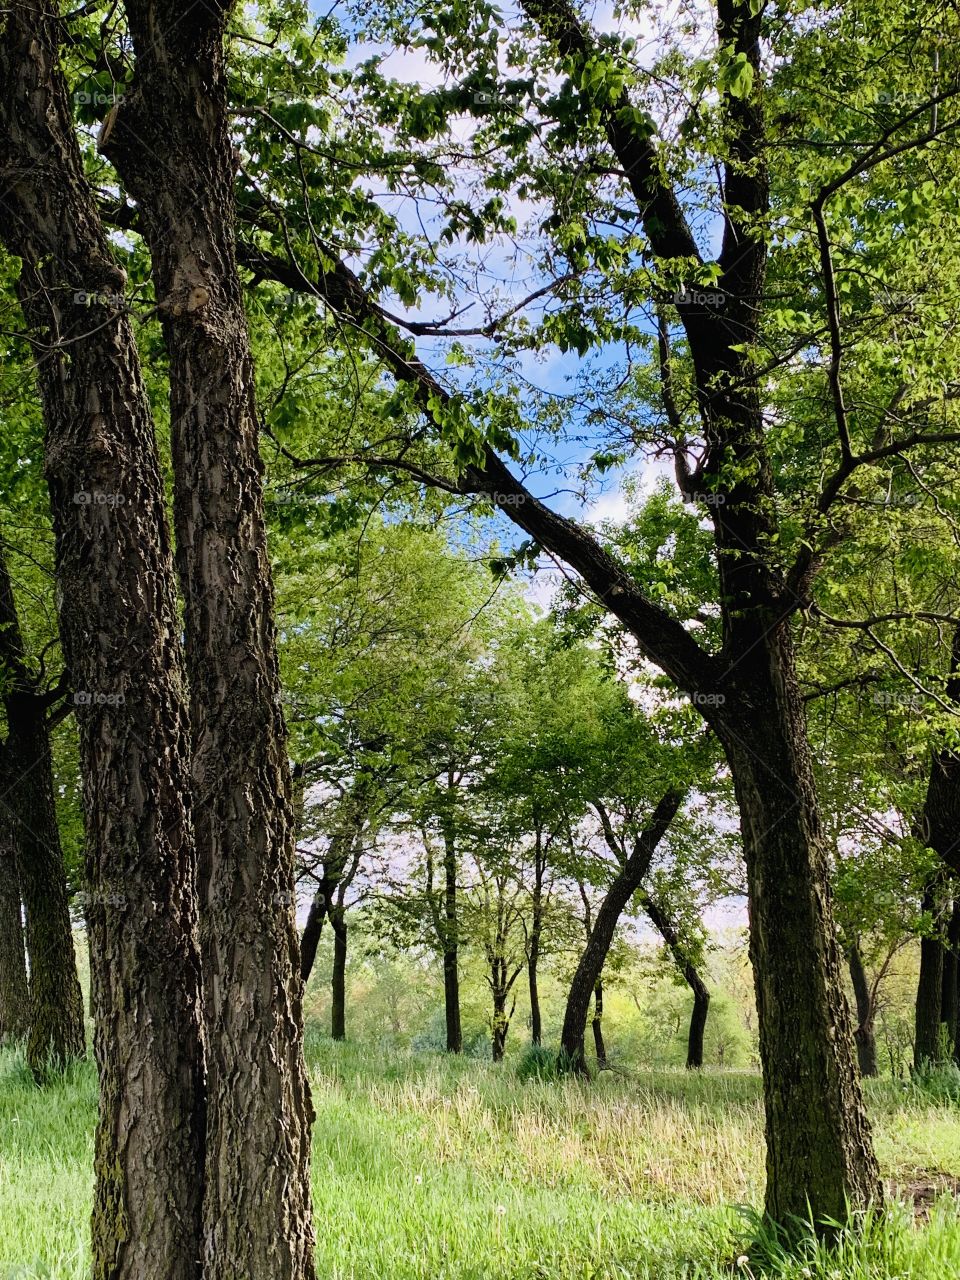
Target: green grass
{"x": 427, "y": 1168}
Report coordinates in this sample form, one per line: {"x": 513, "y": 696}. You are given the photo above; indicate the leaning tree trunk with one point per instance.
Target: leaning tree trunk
{"x": 599, "y": 1046}
{"x": 120, "y": 629}
{"x": 701, "y": 996}
{"x": 594, "y": 955}
{"x": 257, "y": 1214}
{"x": 338, "y": 982}
{"x": 864, "y": 1034}
{"x": 310, "y": 938}
{"x": 451, "y": 940}
{"x": 14, "y": 997}
{"x": 819, "y": 1149}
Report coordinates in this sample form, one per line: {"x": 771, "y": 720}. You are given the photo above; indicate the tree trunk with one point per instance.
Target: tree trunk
{"x": 698, "y": 1020}
{"x": 451, "y": 934}
{"x": 119, "y": 627}
{"x": 950, "y": 991}
{"x": 14, "y": 996}
{"x": 26, "y": 774}
{"x": 338, "y": 983}
{"x": 533, "y": 941}
{"x": 56, "y": 1003}
{"x": 170, "y": 141}
{"x": 593, "y": 958}
{"x": 310, "y": 938}
{"x": 864, "y": 1034}
{"x": 927, "y": 1043}
{"x": 598, "y": 1044}
{"x": 701, "y": 996}
{"x": 536, "y": 1020}
{"x": 819, "y": 1151}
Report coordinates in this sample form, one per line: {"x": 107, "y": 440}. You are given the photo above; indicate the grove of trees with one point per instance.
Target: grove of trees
{"x": 322, "y": 338}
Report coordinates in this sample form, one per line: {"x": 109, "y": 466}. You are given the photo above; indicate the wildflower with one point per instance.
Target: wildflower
{"x": 501, "y": 1210}
{"x": 418, "y": 1179}
{"x": 743, "y": 1260}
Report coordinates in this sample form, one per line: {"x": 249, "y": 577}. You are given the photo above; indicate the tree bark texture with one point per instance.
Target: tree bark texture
{"x": 170, "y": 141}
{"x": 599, "y": 1045}
{"x": 338, "y": 982}
{"x": 119, "y": 628}
{"x": 14, "y": 996}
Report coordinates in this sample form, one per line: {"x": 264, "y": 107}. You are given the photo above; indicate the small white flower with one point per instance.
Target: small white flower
{"x": 418, "y": 1179}
{"x": 501, "y": 1210}
{"x": 743, "y": 1260}
{"x": 806, "y": 1273}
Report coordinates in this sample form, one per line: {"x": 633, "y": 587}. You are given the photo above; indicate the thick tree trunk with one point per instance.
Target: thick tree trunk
{"x": 927, "y": 1041}
{"x": 14, "y": 996}
{"x": 119, "y": 627}
{"x": 338, "y": 981}
{"x": 593, "y": 958}
{"x": 598, "y": 1044}
{"x": 819, "y": 1151}
{"x": 451, "y": 937}
{"x": 26, "y": 775}
{"x": 701, "y": 996}
{"x": 864, "y": 1034}
{"x": 170, "y": 140}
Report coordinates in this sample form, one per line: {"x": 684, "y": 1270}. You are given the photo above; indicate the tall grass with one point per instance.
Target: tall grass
{"x": 427, "y": 1168}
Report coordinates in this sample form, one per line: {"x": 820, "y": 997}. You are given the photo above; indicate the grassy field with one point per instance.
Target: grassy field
{"x": 431, "y": 1169}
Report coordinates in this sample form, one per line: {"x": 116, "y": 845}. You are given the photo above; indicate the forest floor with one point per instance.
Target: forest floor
{"x": 430, "y": 1169}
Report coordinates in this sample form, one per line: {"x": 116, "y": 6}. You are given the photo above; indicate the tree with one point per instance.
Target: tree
{"x": 14, "y": 995}
{"x": 169, "y": 138}
{"x": 119, "y": 630}
{"x": 37, "y": 869}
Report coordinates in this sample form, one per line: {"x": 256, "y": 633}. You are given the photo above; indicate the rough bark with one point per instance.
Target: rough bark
{"x": 701, "y": 996}
{"x": 819, "y": 1148}
{"x": 119, "y": 628}
{"x": 14, "y": 996}
{"x": 170, "y": 140}
{"x": 864, "y": 1035}
{"x": 590, "y": 966}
